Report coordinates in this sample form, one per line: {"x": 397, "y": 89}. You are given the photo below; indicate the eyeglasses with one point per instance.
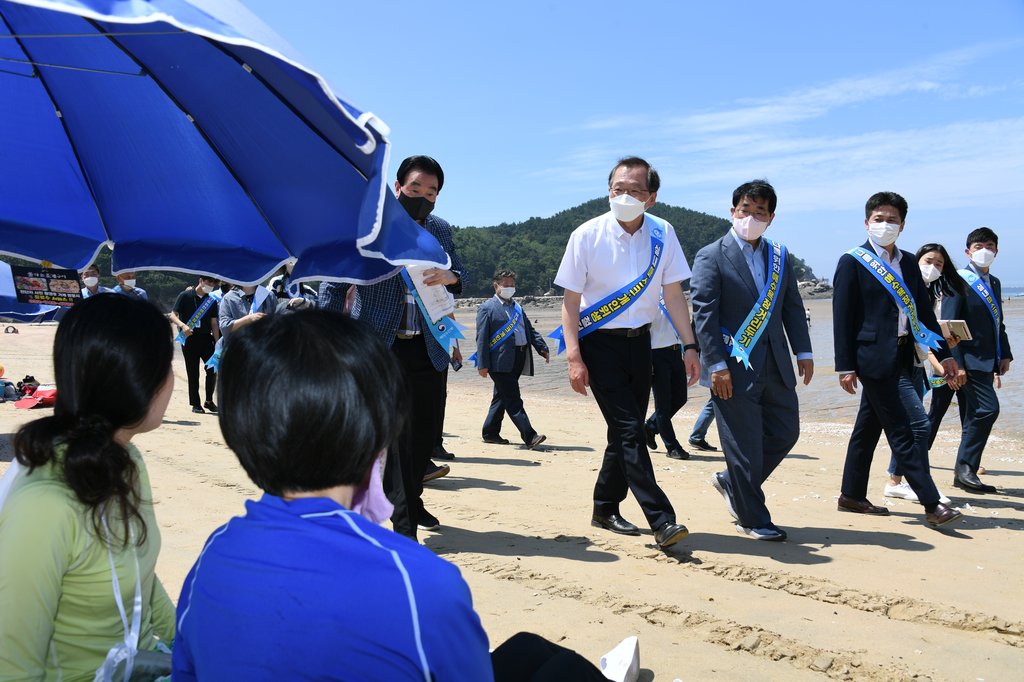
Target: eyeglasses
{"x": 638, "y": 194}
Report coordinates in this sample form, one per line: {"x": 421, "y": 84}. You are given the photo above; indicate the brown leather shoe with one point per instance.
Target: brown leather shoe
{"x": 848, "y": 504}
{"x": 943, "y": 516}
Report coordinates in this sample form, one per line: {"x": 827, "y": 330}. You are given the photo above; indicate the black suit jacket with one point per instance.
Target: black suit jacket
{"x": 978, "y": 354}
{"x": 865, "y": 317}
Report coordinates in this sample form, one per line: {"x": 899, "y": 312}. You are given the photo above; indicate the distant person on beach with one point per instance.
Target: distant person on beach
{"x": 984, "y": 359}
{"x": 808, "y": 315}
{"x": 668, "y": 384}
{"x": 91, "y": 281}
{"x": 127, "y": 285}
{"x": 306, "y": 584}
{"x": 615, "y": 269}
{"x": 881, "y": 309}
{"x": 504, "y": 337}
{"x": 194, "y": 315}
{"x": 244, "y": 305}
{"x": 78, "y": 536}
{"x": 940, "y": 276}
{"x": 390, "y": 308}
{"x": 746, "y": 304}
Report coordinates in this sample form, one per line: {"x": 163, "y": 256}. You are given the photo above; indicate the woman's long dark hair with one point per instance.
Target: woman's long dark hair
{"x": 111, "y": 356}
{"x": 949, "y": 282}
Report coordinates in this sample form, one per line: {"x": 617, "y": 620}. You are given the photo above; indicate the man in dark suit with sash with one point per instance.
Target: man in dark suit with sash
{"x": 880, "y": 310}
{"x": 985, "y": 357}
{"x": 745, "y": 305}
{"x": 504, "y": 336}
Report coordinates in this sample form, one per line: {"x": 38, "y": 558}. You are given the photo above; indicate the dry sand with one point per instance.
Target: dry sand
{"x": 847, "y": 597}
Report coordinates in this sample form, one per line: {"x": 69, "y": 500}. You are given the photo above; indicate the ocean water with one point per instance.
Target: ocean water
{"x": 821, "y": 401}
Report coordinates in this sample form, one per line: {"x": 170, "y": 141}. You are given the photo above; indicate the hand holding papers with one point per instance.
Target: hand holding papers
{"x": 436, "y": 301}
{"x": 956, "y": 328}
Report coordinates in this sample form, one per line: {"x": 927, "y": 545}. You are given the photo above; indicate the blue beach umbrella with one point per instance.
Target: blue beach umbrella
{"x": 187, "y": 136}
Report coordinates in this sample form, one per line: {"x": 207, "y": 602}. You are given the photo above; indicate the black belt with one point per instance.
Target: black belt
{"x": 628, "y": 333}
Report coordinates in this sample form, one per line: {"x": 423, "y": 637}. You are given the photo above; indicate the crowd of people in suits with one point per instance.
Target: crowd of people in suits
{"x": 347, "y": 442}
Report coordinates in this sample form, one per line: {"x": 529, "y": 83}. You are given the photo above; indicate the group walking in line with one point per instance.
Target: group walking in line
{"x": 309, "y": 576}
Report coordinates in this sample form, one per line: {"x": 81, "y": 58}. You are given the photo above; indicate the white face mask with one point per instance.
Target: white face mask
{"x": 625, "y": 208}
{"x": 749, "y": 228}
{"x": 203, "y": 289}
{"x": 930, "y": 273}
{"x": 883, "y": 234}
{"x": 983, "y": 257}
{"x": 130, "y": 283}
{"x": 90, "y": 281}
{"x": 507, "y": 293}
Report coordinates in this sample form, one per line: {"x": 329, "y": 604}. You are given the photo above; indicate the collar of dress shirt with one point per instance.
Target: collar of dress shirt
{"x": 741, "y": 242}
{"x": 882, "y": 250}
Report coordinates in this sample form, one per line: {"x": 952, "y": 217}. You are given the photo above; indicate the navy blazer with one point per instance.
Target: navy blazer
{"x": 490, "y": 317}
{"x": 978, "y": 354}
{"x": 723, "y": 293}
{"x": 865, "y": 317}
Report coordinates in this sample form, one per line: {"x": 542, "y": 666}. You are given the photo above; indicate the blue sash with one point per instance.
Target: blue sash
{"x": 446, "y": 330}
{"x": 664, "y": 311}
{"x": 196, "y": 316}
{"x": 609, "y": 307}
{"x": 894, "y": 284}
{"x": 933, "y": 382}
{"x": 750, "y": 329}
{"x": 977, "y": 283}
{"x": 503, "y": 334}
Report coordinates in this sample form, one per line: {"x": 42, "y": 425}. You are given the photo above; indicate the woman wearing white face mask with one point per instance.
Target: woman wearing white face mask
{"x": 940, "y": 275}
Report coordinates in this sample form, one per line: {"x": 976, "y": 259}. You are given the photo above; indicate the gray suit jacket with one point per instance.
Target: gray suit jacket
{"x": 490, "y": 317}
{"x": 723, "y": 293}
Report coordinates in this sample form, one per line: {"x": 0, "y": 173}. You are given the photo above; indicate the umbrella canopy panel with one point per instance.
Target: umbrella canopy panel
{"x": 185, "y": 153}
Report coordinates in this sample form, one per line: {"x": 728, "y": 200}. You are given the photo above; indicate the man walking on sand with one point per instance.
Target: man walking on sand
{"x": 615, "y": 269}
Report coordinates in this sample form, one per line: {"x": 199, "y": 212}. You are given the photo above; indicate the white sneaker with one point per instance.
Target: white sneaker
{"x": 901, "y": 491}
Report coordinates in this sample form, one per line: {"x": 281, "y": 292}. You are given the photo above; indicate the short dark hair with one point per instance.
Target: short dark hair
{"x": 308, "y": 400}
{"x": 502, "y": 273}
{"x": 756, "y": 189}
{"x": 111, "y": 356}
{"x": 91, "y": 266}
{"x": 886, "y": 199}
{"x": 653, "y": 179}
{"x": 424, "y": 164}
{"x": 980, "y": 235}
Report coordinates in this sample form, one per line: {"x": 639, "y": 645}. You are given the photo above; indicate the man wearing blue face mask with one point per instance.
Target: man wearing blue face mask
{"x": 746, "y": 304}
{"x": 880, "y": 310}
{"x": 984, "y": 358}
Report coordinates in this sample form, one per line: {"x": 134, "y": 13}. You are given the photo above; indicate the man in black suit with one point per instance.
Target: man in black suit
{"x": 503, "y": 339}
{"x": 874, "y": 343}
{"x": 983, "y": 358}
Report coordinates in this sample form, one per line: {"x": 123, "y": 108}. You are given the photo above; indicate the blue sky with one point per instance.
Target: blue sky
{"x": 527, "y": 105}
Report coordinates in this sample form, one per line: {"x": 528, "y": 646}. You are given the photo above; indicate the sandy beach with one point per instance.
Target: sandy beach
{"x": 847, "y": 597}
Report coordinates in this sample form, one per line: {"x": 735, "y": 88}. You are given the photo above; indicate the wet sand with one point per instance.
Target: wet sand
{"x": 847, "y": 597}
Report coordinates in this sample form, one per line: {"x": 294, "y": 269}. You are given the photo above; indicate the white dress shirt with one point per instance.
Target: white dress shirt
{"x": 601, "y": 258}
{"x": 663, "y": 334}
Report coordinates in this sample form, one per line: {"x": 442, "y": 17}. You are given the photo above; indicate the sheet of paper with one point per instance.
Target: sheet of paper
{"x": 435, "y": 298}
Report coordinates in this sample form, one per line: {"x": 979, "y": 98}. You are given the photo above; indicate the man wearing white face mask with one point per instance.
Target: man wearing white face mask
{"x": 986, "y": 356}
{"x": 746, "y": 304}
{"x": 503, "y": 339}
{"x": 194, "y": 314}
{"x": 615, "y": 268}
{"x": 127, "y": 286}
{"x": 880, "y": 310}
{"x": 91, "y": 282}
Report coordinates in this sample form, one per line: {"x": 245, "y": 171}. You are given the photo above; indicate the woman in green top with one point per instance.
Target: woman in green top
{"x": 78, "y": 538}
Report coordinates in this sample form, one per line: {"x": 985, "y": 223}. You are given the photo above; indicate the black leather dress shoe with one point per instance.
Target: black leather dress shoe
{"x": 677, "y": 453}
{"x": 210, "y": 406}
{"x": 669, "y": 534}
{"x": 848, "y": 504}
{"x": 965, "y": 479}
{"x": 442, "y": 454}
{"x": 496, "y": 440}
{"x": 650, "y": 433}
{"x": 615, "y": 524}
{"x": 943, "y": 516}
{"x": 703, "y": 445}
{"x": 198, "y": 410}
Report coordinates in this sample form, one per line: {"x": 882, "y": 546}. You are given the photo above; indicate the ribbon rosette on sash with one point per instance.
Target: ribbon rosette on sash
{"x": 444, "y": 329}
{"x": 503, "y": 334}
{"x": 977, "y": 284}
{"x": 896, "y": 287}
{"x": 750, "y": 330}
{"x": 612, "y": 305}
{"x": 196, "y": 316}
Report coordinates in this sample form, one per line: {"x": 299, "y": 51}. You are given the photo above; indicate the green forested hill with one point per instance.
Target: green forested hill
{"x": 534, "y": 248}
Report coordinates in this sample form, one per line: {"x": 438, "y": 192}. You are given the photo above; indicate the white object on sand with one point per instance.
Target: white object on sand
{"x": 622, "y": 664}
